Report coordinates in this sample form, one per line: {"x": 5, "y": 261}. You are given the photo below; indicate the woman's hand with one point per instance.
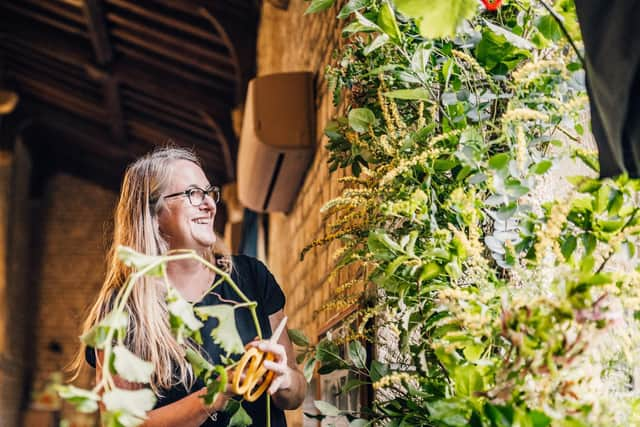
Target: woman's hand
{"x": 283, "y": 373}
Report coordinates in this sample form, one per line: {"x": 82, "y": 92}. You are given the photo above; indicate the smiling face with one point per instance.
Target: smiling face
{"x": 182, "y": 225}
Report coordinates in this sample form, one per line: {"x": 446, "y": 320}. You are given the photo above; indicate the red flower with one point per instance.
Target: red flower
{"x": 492, "y": 4}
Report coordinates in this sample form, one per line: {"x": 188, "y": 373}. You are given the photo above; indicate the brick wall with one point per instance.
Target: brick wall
{"x": 76, "y": 217}
{"x": 15, "y": 293}
{"x": 290, "y": 41}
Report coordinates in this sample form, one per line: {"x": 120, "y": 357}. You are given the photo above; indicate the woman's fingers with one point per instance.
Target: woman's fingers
{"x": 278, "y": 368}
{"x": 274, "y": 348}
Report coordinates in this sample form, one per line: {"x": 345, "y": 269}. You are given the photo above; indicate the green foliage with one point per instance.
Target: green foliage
{"x": 128, "y": 408}
{"x": 436, "y": 18}
{"x": 494, "y": 305}
{"x": 225, "y": 333}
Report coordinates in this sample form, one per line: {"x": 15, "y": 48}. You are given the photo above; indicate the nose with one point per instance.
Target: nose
{"x": 208, "y": 203}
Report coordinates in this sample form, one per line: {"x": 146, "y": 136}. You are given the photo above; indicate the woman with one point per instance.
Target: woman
{"x": 167, "y": 203}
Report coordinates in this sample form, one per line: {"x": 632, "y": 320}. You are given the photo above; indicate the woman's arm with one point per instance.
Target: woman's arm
{"x": 289, "y": 386}
{"x": 190, "y": 411}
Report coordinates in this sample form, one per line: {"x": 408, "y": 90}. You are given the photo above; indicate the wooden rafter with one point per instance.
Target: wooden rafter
{"x": 94, "y": 15}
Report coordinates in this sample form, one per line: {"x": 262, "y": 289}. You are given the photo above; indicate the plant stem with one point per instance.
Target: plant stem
{"x": 560, "y": 22}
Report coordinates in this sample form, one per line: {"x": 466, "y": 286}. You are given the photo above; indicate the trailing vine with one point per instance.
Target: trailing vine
{"x": 498, "y": 290}
{"x": 128, "y": 408}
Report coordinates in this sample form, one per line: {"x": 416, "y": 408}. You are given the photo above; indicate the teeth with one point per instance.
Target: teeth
{"x": 201, "y": 221}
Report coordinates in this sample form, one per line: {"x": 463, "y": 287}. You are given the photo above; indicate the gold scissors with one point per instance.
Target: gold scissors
{"x": 251, "y": 364}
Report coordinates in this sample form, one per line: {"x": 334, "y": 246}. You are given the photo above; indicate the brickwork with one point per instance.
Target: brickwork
{"x": 73, "y": 241}
{"x": 15, "y": 293}
{"x": 290, "y": 41}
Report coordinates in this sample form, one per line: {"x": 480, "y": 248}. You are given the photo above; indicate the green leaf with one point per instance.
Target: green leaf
{"x": 375, "y": 44}
{"x": 199, "y": 363}
{"x": 377, "y": 370}
{"x": 226, "y": 333}
{"x": 468, "y": 381}
{"x": 512, "y": 38}
{"x": 360, "y": 119}
{"x": 358, "y": 354}
{"x": 138, "y": 261}
{"x": 589, "y": 242}
{"x": 96, "y": 337}
{"x": 500, "y": 416}
{"x": 131, "y": 367}
{"x": 328, "y": 352}
{"x": 542, "y": 167}
{"x": 134, "y": 402}
{"x": 549, "y": 28}
{"x": 309, "y": 368}
{"x": 499, "y": 161}
{"x": 318, "y": 6}
{"x": 181, "y": 312}
{"x": 450, "y": 412}
{"x": 436, "y": 18}
{"x": 539, "y": 419}
{"x": 326, "y": 409}
{"x": 352, "y": 6}
{"x": 352, "y": 384}
{"x": 497, "y": 55}
{"x": 417, "y": 93}
{"x": 239, "y": 416}
{"x": 83, "y": 400}
{"x": 298, "y": 337}
{"x": 568, "y": 245}
{"x": 387, "y": 21}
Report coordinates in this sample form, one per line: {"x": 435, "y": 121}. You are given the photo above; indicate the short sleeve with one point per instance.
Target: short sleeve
{"x": 270, "y": 293}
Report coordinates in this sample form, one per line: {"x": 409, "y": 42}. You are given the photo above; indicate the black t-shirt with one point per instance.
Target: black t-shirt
{"x": 258, "y": 284}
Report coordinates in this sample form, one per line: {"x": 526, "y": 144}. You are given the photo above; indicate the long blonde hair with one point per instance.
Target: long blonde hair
{"x": 136, "y": 226}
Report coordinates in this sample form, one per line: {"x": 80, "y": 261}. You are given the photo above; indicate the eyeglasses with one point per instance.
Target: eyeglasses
{"x": 196, "y": 195}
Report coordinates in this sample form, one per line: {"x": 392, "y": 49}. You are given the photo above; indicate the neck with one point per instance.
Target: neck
{"x": 190, "y": 278}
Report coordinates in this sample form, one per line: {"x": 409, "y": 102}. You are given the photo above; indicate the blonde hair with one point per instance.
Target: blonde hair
{"x": 135, "y": 225}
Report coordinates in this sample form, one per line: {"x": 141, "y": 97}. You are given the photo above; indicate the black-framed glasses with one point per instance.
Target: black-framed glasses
{"x": 196, "y": 195}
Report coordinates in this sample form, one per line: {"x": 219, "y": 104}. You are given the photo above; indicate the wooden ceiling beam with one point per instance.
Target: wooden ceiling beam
{"x": 15, "y": 8}
{"x": 158, "y": 134}
{"x": 185, "y": 93}
{"x": 170, "y": 118}
{"x": 126, "y": 72}
{"x": 146, "y": 101}
{"x": 57, "y": 9}
{"x": 58, "y": 97}
{"x": 176, "y": 43}
{"x": 167, "y": 21}
{"x": 95, "y": 19}
{"x": 175, "y": 55}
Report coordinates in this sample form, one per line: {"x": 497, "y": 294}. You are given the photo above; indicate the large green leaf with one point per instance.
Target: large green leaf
{"x": 319, "y": 6}
{"x": 387, "y": 21}
{"x": 226, "y": 333}
{"x": 199, "y": 363}
{"x": 327, "y": 409}
{"x": 134, "y": 402}
{"x": 83, "y": 400}
{"x": 360, "y": 119}
{"x": 182, "y": 310}
{"x": 417, "y": 93}
{"x": 437, "y": 18}
{"x": 96, "y": 337}
{"x": 298, "y": 337}
{"x": 358, "y": 354}
{"x": 131, "y": 367}
{"x": 139, "y": 261}
{"x": 239, "y": 416}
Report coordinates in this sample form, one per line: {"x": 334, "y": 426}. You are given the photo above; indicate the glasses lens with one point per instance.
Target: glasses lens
{"x": 196, "y": 196}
